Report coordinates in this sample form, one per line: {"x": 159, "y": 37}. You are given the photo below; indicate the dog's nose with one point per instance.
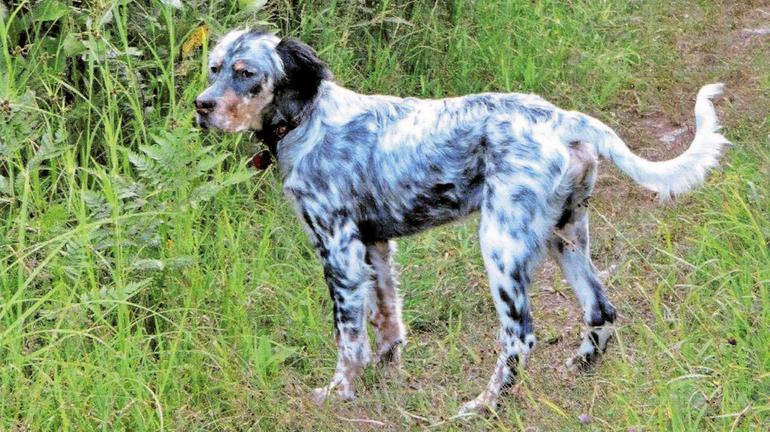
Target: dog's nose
{"x": 205, "y": 106}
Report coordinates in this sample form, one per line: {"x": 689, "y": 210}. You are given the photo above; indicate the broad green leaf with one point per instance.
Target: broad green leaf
{"x": 205, "y": 192}
{"x": 141, "y": 162}
{"x": 148, "y": 264}
{"x": 5, "y": 186}
{"x": 210, "y": 162}
{"x": 252, "y": 5}
{"x": 50, "y": 10}
{"x": 238, "y": 177}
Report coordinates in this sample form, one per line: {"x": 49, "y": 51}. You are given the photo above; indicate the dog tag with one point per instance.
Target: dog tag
{"x": 262, "y": 160}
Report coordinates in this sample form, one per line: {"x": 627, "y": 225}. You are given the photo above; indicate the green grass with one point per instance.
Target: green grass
{"x": 150, "y": 280}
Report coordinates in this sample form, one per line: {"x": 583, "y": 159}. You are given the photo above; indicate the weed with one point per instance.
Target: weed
{"x": 149, "y": 280}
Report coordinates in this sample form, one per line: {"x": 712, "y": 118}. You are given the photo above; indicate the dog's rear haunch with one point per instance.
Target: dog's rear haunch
{"x": 362, "y": 170}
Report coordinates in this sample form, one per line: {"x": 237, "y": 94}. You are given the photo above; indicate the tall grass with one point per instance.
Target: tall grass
{"x": 700, "y": 355}
{"x": 149, "y": 280}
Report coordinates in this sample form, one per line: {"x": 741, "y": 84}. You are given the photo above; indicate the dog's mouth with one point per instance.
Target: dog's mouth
{"x": 201, "y": 122}
{"x": 216, "y": 122}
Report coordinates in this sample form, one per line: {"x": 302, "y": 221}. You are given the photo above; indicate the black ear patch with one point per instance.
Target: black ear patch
{"x": 304, "y": 73}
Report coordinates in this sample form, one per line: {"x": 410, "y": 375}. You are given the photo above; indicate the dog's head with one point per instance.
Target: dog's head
{"x": 257, "y": 79}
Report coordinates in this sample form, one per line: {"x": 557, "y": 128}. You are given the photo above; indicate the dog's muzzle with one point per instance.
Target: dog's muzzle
{"x": 200, "y": 121}
{"x": 203, "y": 107}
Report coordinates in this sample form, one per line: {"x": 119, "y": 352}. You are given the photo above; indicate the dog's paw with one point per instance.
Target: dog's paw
{"x": 483, "y": 404}
{"x": 592, "y": 347}
{"x": 582, "y": 362}
{"x": 390, "y": 355}
{"x": 321, "y": 394}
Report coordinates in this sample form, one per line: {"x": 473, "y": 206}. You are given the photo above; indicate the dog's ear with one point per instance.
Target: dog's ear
{"x": 304, "y": 70}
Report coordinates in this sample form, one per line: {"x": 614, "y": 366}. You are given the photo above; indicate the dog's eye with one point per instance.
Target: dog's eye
{"x": 215, "y": 69}
{"x": 245, "y": 73}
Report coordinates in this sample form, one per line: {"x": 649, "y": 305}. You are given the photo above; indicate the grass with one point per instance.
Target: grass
{"x": 149, "y": 280}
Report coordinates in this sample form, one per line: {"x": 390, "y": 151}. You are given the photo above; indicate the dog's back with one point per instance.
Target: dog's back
{"x": 403, "y": 165}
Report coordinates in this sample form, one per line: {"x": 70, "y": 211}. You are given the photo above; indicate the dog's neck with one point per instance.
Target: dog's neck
{"x": 273, "y": 132}
{"x": 287, "y": 113}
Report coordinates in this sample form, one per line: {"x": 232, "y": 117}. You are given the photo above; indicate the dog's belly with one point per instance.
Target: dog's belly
{"x": 418, "y": 209}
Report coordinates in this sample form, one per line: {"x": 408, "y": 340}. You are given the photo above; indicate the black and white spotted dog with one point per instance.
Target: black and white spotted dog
{"x": 362, "y": 170}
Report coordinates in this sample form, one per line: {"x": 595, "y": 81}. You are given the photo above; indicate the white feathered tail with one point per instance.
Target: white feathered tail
{"x": 667, "y": 178}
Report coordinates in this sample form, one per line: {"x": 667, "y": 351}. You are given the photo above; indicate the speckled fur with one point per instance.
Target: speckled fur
{"x": 361, "y": 170}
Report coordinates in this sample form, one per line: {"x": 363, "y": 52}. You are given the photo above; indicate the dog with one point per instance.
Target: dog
{"x": 362, "y": 170}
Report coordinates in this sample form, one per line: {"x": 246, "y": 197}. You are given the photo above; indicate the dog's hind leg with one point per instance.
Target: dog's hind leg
{"x": 569, "y": 247}
{"x": 384, "y": 303}
{"x": 515, "y": 220}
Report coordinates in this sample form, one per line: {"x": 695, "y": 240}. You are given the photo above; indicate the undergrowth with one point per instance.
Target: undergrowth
{"x": 150, "y": 280}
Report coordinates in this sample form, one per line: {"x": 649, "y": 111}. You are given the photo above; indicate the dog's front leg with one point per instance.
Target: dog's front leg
{"x": 349, "y": 278}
